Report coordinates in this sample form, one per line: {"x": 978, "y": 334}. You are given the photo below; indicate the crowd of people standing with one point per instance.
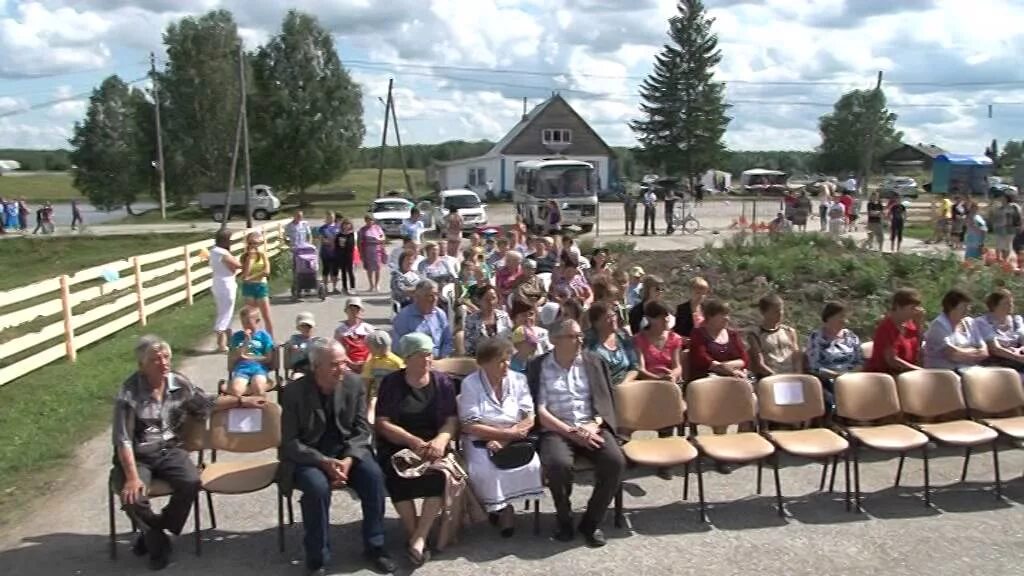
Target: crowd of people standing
{"x": 14, "y": 217}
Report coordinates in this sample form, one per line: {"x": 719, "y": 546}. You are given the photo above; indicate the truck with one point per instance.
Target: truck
{"x": 262, "y": 201}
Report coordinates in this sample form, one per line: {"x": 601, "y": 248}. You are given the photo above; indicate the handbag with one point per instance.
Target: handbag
{"x": 515, "y": 454}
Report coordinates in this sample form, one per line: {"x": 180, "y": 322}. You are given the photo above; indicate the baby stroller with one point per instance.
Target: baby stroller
{"x": 306, "y": 271}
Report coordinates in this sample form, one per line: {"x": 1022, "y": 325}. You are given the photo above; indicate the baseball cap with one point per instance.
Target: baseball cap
{"x": 354, "y": 301}
{"x": 305, "y": 318}
{"x": 524, "y": 334}
{"x": 637, "y": 272}
{"x": 548, "y": 313}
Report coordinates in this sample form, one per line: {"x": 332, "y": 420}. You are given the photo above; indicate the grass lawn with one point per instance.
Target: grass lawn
{"x": 34, "y": 259}
{"x": 52, "y": 186}
{"x": 808, "y": 270}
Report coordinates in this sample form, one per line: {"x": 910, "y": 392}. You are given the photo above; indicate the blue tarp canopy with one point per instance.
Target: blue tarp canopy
{"x": 964, "y": 159}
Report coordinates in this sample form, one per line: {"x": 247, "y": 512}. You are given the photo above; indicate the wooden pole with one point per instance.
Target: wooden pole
{"x": 69, "y": 327}
{"x": 188, "y": 275}
{"x": 401, "y": 153}
{"x": 384, "y": 140}
{"x": 869, "y": 151}
{"x": 138, "y": 290}
{"x": 159, "y": 138}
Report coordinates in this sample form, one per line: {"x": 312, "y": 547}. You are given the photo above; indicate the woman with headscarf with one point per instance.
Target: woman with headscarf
{"x": 371, "y": 241}
{"x": 416, "y": 409}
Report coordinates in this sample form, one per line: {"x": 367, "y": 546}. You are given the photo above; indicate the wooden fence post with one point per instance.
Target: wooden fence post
{"x": 69, "y": 327}
{"x": 280, "y": 235}
{"x": 138, "y": 290}
{"x": 188, "y": 275}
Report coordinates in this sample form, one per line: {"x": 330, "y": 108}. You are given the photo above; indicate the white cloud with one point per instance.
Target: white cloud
{"x": 595, "y": 51}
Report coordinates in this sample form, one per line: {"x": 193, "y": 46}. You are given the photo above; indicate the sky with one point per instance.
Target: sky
{"x": 463, "y": 67}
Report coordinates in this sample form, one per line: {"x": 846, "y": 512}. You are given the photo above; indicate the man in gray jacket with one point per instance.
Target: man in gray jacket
{"x": 325, "y": 445}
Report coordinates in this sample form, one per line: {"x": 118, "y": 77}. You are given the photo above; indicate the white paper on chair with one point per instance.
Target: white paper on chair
{"x": 788, "y": 393}
{"x": 245, "y": 420}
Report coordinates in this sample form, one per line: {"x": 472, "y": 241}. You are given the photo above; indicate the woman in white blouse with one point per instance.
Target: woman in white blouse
{"x": 952, "y": 341}
{"x": 224, "y": 267}
{"x": 496, "y": 410}
{"x": 1002, "y": 331}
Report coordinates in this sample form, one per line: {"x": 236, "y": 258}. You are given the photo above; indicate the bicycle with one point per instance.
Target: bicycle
{"x": 683, "y": 218}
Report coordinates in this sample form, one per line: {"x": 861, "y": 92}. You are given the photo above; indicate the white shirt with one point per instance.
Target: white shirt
{"x": 298, "y": 232}
{"x": 221, "y": 272}
{"x": 413, "y": 230}
{"x": 566, "y": 393}
{"x": 850, "y": 185}
{"x": 650, "y": 199}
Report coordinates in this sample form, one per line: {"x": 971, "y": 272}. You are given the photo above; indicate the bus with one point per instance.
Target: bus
{"x": 570, "y": 183}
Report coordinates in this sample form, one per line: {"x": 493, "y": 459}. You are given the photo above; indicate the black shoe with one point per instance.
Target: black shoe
{"x": 159, "y": 547}
{"x": 565, "y": 532}
{"x": 381, "y": 561}
{"x": 594, "y": 539}
{"x": 493, "y": 518}
{"x": 508, "y": 532}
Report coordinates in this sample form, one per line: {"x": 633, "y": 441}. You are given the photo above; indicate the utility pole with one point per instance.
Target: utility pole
{"x": 401, "y": 153}
{"x": 384, "y": 140}
{"x": 234, "y": 167}
{"x": 159, "y": 138}
{"x": 869, "y": 152}
{"x": 245, "y": 137}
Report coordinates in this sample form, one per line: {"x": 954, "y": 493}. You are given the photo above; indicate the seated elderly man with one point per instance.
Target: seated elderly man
{"x": 149, "y": 414}
{"x": 325, "y": 445}
{"x": 573, "y": 392}
{"x": 424, "y": 316}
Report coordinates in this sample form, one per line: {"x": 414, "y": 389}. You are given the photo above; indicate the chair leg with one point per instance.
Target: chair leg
{"x": 536, "y": 517}
{"x": 778, "y": 486}
{"x": 967, "y": 460}
{"x": 618, "y": 508}
{"x": 686, "y": 481}
{"x": 856, "y": 480}
{"x": 832, "y": 479}
{"x": 995, "y": 463}
{"x": 113, "y": 523}
{"x": 197, "y": 535}
{"x": 927, "y": 487}
{"x": 700, "y": 491}
{"x": 280, "y": 522}
{"x": 758, "y": 478}
{"x": 291, "y": 511}
{"x": 846, "y": 465}
{"x": 899, "y": 470}
{"x": 824, "y": 476}
{"x": 213, "y": 516}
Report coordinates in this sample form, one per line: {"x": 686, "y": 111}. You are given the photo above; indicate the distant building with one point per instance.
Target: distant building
{"x": 910, "y": 157}
{"x": 552, "y": 128}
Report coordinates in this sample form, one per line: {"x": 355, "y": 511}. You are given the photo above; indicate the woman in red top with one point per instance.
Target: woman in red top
{"x": 714, "y": 347}
{"x": 657, "y": 347}
{"x": 897, "y": 341}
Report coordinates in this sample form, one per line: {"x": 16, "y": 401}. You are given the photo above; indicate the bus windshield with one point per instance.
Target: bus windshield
{"x": 563, "y": 181}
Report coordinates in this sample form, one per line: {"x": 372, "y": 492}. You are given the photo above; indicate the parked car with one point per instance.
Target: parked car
{"x": 899, "y": 187}
{"x": 473, "y": 212}
{"x": 262, "y": 201}
{"x": 390, "y": 212}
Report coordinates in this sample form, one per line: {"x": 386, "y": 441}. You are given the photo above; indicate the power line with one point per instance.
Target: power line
{"x": 61, "y": 100}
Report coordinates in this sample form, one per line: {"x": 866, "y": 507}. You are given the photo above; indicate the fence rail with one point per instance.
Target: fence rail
{"x": 45, "y": 321}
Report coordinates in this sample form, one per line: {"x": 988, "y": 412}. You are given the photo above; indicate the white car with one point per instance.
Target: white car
{"x": 390, "y": 213}
{"x": 899, "y": 186}
{"x": 474, "y": 214}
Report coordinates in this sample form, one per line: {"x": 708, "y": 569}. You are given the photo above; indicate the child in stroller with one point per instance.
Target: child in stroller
{"x": 306, "y": 271}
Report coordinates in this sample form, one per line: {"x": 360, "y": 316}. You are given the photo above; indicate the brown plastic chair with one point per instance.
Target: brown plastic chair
{"x": 721, "y": 402}
{"x": 868, "y": 408}
{"x": 193, "y": 438}
{"x": 456, "y": 367}
{"x": 248, "y": 475}
{"x": 816, "y": 443}
{"x": 867, "y": 349}
{"x": 933, "y": 401}
{"x": 274, "y": 378}
{"x": 649, "y": 405}
{"x": 995, "y": 398}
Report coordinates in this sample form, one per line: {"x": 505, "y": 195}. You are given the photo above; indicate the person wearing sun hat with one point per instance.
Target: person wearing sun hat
{"x": 295, "y": 348}
{"x": 634, "y": 292}
{"x": 526, "y": 343}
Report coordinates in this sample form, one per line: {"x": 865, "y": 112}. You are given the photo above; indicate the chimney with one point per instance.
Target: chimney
{"x": 525, "y": 115}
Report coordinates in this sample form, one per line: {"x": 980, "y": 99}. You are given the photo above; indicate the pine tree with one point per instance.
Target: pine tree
{"x": 684, "y": 110}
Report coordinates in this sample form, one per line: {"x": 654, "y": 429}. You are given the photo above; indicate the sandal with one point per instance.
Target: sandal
{"x": 418, "y": 558}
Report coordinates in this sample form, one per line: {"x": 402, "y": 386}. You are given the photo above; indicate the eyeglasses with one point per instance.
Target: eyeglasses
{"x": 577, "y": 336}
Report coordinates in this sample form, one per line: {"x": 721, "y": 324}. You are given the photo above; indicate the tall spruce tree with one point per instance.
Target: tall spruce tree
{"x": 684, "y": 110}
{"x": 306, "y": 112}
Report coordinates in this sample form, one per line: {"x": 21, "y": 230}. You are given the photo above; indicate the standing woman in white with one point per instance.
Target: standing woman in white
{"x": 224, "y": 266}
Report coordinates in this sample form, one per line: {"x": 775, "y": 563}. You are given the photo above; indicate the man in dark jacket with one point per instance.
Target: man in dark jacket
{"x": 325, "y": 445}
{"x": 575, "y": 407}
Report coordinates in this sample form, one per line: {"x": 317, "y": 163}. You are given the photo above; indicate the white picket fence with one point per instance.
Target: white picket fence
{"x": 73, "y": 320}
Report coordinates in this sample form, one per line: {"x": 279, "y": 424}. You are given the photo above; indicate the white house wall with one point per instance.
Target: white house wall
{"x": 456, "y": 175}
